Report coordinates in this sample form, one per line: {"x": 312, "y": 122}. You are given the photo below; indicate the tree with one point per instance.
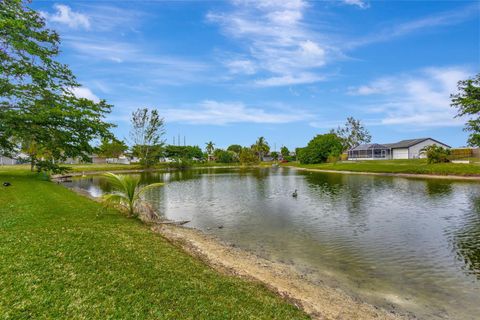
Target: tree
{"x": 37, "y": 102}
{"x": 223, "y": 156}
{"x": 467, "y": 101}
{"x": 127, "y": 192}
{"x": 147, "y": 132}
{"x": 353, "y": 134}
{"x": 184, "y": 152}
{"x": 112, "y": 148}
{"x": 210, "y": 147}
{"x": 248, "y": 157}
{"x": 320, "y": 148}
{"x": 274, "y": 155}
{"x": 284, "y": 152}
{"x": 261, "y": 147}
{"x": 235, "y": 148}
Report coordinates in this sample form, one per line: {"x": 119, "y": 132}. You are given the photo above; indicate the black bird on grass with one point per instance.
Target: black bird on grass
{"x": 7, "y": 184}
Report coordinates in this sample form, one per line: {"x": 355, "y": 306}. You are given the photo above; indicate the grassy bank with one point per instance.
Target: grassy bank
{"x": 413, "y": 166}
{"x": 64, "y": 256}
{"x": 90, "y": 167}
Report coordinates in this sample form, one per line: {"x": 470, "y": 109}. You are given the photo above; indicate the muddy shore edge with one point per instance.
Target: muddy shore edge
{"x": 320, "y": 301}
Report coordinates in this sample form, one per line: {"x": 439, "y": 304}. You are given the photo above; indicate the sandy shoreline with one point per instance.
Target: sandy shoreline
{"x": 318, "y": 300}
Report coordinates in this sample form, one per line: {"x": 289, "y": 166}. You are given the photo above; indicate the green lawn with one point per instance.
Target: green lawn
{"x": 89, "y": 167}
{"x": 415, "y": 166}
{"x": 64, "y": 256}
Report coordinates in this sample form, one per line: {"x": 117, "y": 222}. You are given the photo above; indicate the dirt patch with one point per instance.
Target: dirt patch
{"x": 318, "y": 300}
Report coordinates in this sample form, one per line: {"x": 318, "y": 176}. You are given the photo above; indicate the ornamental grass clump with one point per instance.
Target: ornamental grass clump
{"x": 128, "y": 193}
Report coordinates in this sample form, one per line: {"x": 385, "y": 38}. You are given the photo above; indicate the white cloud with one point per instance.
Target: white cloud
{"x": 383, "y": 85}
{"x": 418, "y": 99}
{"x": 220, "y": 113}
{"x": 359, "y": 3}
{"x": 156, "y": 68}
{"x": 286, "y": 80}
{"x": 435, "y": 20}
{"x": 65, "y": 15}
{"x": 241, "y": 66}
{"x": 84, "y": 92}
{"x": 276, "y": 39}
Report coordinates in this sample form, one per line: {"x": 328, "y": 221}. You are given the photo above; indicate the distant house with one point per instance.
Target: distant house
{"x": 5, "y": 161}
{"x": 98, "y": 159}
{"x": 405, "y": 149}
{"x": 14, "y": 159}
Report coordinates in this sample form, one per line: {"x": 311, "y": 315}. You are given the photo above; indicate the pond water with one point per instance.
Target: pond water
{"x": 407, "y": 244}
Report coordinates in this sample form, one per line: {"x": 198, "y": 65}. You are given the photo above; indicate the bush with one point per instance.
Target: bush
{"x": 320, "y": 148}
{"x": 223, "y": 156}
{"x": 248, "y": 157}
{"x": 181, "y": 164}
{"x": 436, "y": 154}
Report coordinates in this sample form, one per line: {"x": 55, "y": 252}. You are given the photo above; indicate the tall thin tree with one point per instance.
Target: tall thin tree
{"x": 147, "y": 134}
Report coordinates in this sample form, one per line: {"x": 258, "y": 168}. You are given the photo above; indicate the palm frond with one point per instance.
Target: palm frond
{"x": 150, "y": 186}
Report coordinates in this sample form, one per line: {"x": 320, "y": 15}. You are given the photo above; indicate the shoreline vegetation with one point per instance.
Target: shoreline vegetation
{"x": 409, "y": 168}
{"x": 402, "y": 168}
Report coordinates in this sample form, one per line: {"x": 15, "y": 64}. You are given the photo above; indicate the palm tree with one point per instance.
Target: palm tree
{"x": 261, "y": 147}
{"x": 210, "y": 148}
{"x": 128, "y": 191}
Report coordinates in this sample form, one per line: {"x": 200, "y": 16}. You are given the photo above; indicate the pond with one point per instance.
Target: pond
{"x": 411, "y": 245}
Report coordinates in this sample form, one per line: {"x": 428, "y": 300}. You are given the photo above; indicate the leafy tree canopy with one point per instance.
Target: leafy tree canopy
{"x": 235, "y": 148}
{"x": 320, "y": 148}
{"x": 284, "y": 152}
{"x": 184, "y": 152}
{"x": 353, "y": 134}
{"x": 112, "y": 148}
{"x": 248, "y": 157}
{"x": 37, "y": 104}
{"x": 223, "y": 156}
{"x": 467, "y": 101}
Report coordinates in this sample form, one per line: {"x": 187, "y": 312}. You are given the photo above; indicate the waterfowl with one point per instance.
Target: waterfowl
{"x": 294, "y": 194}
{"x": 7, "y": 184}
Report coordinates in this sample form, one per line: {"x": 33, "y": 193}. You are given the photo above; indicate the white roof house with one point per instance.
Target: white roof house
{"x": 405, "y": 149}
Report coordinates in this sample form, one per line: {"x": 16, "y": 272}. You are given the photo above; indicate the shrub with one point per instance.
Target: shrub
{"x": 436, "y": 154}
{"x": 223, "y": 156}
{"x": 247, "y": 156}
{"x": 181, "y": 164}
{"x": 320, "y": 148}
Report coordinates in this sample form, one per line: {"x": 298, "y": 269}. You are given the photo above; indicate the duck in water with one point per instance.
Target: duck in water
{"x": 294, "y": 194}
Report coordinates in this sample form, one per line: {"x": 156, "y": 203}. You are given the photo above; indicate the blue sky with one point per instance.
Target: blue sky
{"x": 231, "y": 71}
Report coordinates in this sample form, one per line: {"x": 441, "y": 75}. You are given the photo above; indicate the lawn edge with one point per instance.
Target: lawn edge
{"x": 393, "y": 174}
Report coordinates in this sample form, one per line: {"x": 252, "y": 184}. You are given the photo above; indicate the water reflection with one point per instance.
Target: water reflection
{"x": 410, "y": 243}
{"x": 467, "y": 238}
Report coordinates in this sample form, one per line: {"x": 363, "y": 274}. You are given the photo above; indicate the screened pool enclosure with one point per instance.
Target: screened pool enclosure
{"x": 369, "y": 152}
